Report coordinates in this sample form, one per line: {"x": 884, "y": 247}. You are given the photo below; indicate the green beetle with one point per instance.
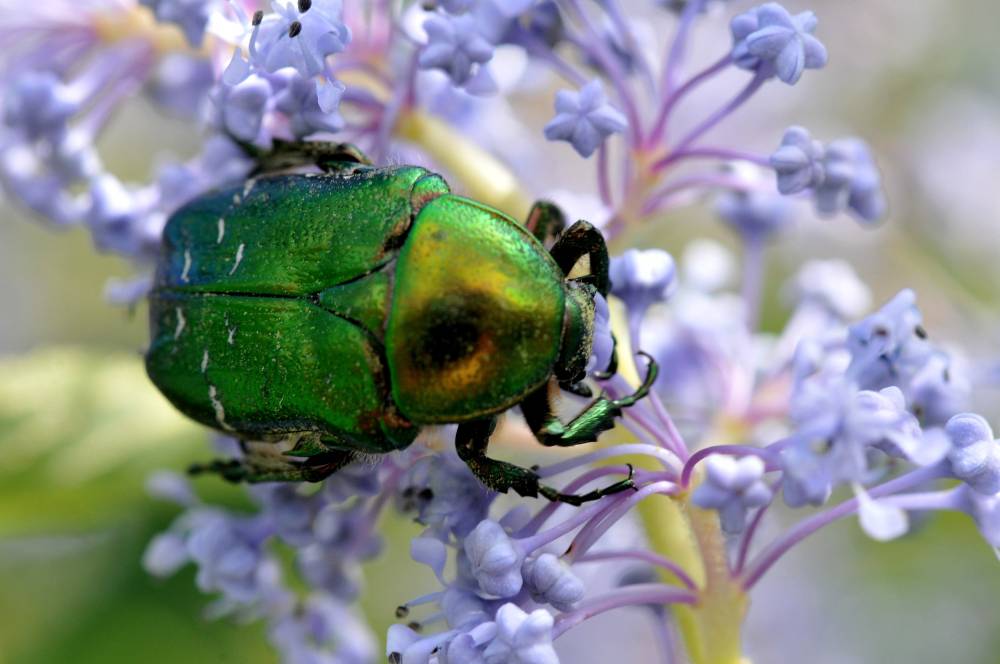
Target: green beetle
{"x": 344, "y": 310}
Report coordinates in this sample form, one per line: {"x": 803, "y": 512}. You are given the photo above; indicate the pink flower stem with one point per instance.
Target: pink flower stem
{"x": 710, "y": 153}
{"x": 546, "y": 512}
{"x": 636, "y": 595}
{"x": 580, "y": 517}
{"x": 646, "y": 557}
{"x": 753, "y": 278}
{"x": 595, "y": 528}
{"x": 747, "y": 539}
{"x": 603, "y": 176}
{"x": 593, "y": 44}
{"x": 659, "y": 128}
{"x": 705, "y": 180}
{"x": 711, "y": 121}
{"x": 678, "y": 46}
{"x": 763, "y": 562}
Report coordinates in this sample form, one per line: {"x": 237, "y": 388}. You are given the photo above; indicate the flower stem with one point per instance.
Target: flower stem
{"x": 807, "y": 527}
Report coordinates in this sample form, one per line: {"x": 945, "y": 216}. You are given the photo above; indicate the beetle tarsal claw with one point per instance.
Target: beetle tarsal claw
{"x": 579, "y": 499}
{"x": 652, "y": 371}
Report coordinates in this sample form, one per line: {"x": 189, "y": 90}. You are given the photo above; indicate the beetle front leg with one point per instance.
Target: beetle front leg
{"x": 582, "y": 239}
{"x": 545, "y": 221}
{"x": 598, "y": 416}
{"x": 471, "y": 442}
{"x": 260, "y": 468}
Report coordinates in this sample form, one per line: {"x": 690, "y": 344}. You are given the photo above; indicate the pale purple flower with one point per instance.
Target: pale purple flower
{"x": 38, "y": 105}
{"x": 798, "y": 162}
{"x": 191, "y": 16}
{"x": 550, "y": 581}
{"x": 494, "y": 559}
{"x": 454, "y": 45}
{"x": 118, "y": 221}
{"x": 297, "y": 98}
{"x": 975, "y": 456}
{"x": 832, "y": 285}
{"x": 442, "y": 493}
{"x": 887, "y": 343}
{"x": 772, "y": 41}
{"x": 229, "y": 556}
{"x": 851, "y": 181}
{"x": 985, "y": 509}
{"x": 299, "y": 35}
{"x": 241, "y": 108}
{"x": 837, "y": 430}
{"x": 522, "y": 638}
{"x": 880, "y": 521}
{"x": 584, "y": 118}
{"x": 754, "y": 214}
{"x": 181, "y": 84}
{"x": 642, "y": 278}
{"x": 733, "y": 487}
{"x": 165, "y": 554}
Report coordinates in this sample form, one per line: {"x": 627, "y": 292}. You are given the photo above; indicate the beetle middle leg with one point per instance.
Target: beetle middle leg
{"x": 598, "y": 416}
{"x": 259, "y": 468}
{"x": 583, "y": 239}
{"x": 471, "y": 442}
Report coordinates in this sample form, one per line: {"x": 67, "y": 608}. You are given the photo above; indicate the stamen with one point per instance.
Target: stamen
{"x": 294, "y": 29}
{"x": 258, "y": 16}
{"x": 304, "y": 6}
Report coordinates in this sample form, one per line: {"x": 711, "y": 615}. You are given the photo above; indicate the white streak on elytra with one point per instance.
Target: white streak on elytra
{"x": 239, "y": 257}
{"x": 204, "y": 361}
{"x": 187, "y": 266}
{"x": 232, "y": 333}
{"x": 248, "y": 186}
{"x": 220, "y": 412}
{"x": 180, "y": 323}
{"x": 222, "y": 230}
{"x": 236, "y": 199}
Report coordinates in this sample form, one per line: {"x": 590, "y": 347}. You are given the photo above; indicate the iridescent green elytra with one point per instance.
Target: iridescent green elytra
{"x": 345, "y": 310}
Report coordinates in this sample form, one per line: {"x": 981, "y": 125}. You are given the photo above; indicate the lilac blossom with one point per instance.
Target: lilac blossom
{"x": 975, "y": 455}
{"x": 455, "y": 46}
{"x": 851, "y": 181}
{"x": 769, "y": 39}
{"x": 642, "y": 278}
{"x": 754, "y": 214}
{"x": 551, "y": 581}
{"x": 524, "y": 638}
{"x": 798, "y": 162}
{"x": 299, "y": 36}
{"x": 584, "y": 119}
{"x": 732, "y": 486}
{"x": 190, "y": 15}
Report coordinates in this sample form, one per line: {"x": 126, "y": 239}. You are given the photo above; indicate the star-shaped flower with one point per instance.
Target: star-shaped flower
{"x": 798, "y": 162}
{"x": 770, "y": 40}
{"x": 584, "y": 118}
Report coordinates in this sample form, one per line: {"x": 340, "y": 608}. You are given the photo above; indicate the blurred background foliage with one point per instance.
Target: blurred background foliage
{"x": 81, "y": 428}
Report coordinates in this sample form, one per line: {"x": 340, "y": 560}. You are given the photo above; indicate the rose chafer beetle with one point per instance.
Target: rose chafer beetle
{"x": 346, "y": 309}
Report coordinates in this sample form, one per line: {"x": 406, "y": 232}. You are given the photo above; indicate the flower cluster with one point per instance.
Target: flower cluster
{"x": 330, "y": 530}
{"x": 833, "y": 400}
